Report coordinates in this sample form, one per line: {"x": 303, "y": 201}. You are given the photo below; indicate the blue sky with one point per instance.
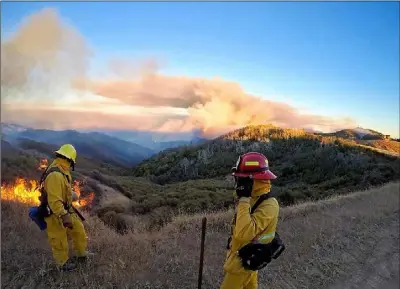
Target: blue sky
{"x": 334, "y": 59}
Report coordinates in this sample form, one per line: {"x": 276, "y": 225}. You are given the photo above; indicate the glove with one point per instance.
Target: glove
{"x": 244, "y": 186}
{"x": 67, "y": 221}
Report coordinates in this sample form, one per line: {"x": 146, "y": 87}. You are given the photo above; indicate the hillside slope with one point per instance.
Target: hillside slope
{"x": 308, "y": 166}
{"x": 306, "y": 170}
{"x": 130, "y": 196}
{"x": 338, "y": 243}
{"x": 23, "y": 161}
{"x": 367, "y": 137}
{"x": 357, "y": 134}
{"x": 386, "y": 145}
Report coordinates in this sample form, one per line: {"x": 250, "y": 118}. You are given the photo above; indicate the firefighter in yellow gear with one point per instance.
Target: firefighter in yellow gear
{"x": 253, "y": 179}
{"x": 63, "y": 221}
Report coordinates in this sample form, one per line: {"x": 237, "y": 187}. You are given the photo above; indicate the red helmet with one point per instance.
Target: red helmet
{"x": 253, "y": 165}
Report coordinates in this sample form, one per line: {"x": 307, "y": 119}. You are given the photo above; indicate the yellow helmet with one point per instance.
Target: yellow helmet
{"x": 67, "y": 151}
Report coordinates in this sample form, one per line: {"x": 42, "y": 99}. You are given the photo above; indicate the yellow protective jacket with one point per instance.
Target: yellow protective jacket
{"x": 58, "y": 187}
{"x": 246, "y": 227}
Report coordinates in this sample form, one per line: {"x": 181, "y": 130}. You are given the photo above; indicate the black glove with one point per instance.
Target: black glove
{"x": 244, "y": 186}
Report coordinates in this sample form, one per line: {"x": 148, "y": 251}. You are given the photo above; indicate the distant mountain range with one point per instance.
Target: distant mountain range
{"x": 115, "y": 147}
{"x": 94, "y": 145}
{"x": 129, "y": 148}
{"x": 10, "y": 129}
{"x": 156, "y": 141}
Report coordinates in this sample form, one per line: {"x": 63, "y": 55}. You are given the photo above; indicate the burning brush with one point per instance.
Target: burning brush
{"x": 43, "y": 164}
{"x": 25, "y": 191}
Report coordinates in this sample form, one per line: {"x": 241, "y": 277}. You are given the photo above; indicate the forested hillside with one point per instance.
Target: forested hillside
{"x": 307, "y": 165}
{"x": 197, "y": 178}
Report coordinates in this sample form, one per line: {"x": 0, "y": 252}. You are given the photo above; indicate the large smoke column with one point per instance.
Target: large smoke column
{"x": 214, "y": 105}
{"x": 43, "y": 58}
{"x": 46, "y": 59}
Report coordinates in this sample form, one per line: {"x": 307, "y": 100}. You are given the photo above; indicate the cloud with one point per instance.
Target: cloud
{"x": 47, "y": 60}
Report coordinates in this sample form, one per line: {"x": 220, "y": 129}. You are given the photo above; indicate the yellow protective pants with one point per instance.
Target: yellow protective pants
{"x": 242, "y": 281}
{"x": 57, "y": 237}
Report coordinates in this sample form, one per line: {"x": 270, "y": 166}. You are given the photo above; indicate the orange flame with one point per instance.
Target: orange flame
{"x": 25, "y": 192}
{"x": 82, "y": 201}
{"x": 21, "y": 192}
{"x": 43, "y": 164}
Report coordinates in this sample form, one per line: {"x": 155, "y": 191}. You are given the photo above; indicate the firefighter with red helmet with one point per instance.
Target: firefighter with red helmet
{"x": 253, "y": 180}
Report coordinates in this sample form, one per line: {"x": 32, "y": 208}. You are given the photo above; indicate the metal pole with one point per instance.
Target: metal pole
{"x": 203, "y": 236}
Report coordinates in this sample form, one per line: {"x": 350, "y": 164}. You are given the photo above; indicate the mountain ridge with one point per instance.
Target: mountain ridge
{"x": 96, "y": 145}
{"x": 154, "y": 141}
{"x": 308, "y": 165}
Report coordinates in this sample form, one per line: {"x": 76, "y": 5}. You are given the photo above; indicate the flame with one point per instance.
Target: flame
{"x": 43, "y": 164}
{"x": 25, "y": 192}
{"x": 21, "y": 191}
{"x": 83, "y": 201}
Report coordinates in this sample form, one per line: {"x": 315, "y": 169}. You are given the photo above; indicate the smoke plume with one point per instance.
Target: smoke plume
{"x": 46, "y": 59}
{"x": 44, "y": 55}
{"x": 214, "y": 105}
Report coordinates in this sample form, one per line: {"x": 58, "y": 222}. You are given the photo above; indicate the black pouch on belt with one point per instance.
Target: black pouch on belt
{"x": 256, "y": 256}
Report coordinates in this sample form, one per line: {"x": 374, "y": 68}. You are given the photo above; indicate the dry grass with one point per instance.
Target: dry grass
{"x": 388, "y": 145}
{"x": 345, "y": 242}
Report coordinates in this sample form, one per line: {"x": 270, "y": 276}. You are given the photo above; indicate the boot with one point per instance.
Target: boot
{"x": 83, "y": 259}
{"x": 67, "y": 267}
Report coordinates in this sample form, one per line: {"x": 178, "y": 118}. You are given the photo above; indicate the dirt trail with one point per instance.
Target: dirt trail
{"x": 348, "y": 242}
{"x": 378, "y": 266}
{"x": 352, "y": 242}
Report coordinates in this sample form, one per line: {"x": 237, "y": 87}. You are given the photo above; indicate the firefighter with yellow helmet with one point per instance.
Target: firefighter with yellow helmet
{"x": 251, "y": 229}
{"x": 61, "y": 219}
